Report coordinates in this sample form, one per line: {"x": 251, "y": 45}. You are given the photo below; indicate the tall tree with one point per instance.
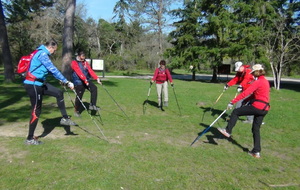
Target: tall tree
{"x": 7, "y": 59}
{"x": 186, "y": 38}
{"x": 68, "y": 34}
{"x": 156, "y": 13}
{"x": 19, "y": 13}
{"x": 281, "y": 37}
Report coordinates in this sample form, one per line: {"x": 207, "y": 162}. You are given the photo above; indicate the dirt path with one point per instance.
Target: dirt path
{"x": 20, "y": 129}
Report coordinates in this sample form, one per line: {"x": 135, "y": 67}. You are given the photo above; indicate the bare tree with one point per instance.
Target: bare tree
{"x": 68, "y": 34}
{"x": 7, "y": 59}
{"x": 282, "y": 48}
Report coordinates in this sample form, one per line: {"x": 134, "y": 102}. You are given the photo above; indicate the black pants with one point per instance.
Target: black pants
{"x": 35, "y": 94}
{"x": 80, "y": 89}
{"x": 257, "y": 121}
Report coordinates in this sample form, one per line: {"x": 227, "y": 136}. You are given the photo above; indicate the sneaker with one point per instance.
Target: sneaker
{"x": 67, "y": 121}
{"x": 33, "y": 142}
{"x": 77, "y": 114}
{"x": 166, "y": 103}
{"x": 224, "y": 132}
{"x": 93, "y": 107}
{"x": 254, "y": 154}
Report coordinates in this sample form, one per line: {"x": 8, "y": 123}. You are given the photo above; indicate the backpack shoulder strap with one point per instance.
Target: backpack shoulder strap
{"x": 31, "y": 56}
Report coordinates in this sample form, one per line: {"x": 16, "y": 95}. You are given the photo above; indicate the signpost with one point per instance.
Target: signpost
{"x": 98, "y": 65}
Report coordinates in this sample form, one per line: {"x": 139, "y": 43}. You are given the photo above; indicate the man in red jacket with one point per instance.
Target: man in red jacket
{"x": 244, "y": 78}
{"x": 82, "y": 74}
{"x": 259, "y": 95}
{"x": 161, "y": 77}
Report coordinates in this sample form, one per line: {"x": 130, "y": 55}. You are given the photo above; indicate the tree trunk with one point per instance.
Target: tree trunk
{"x": 68, "y": 34}
{"x": 160, "y": 33}
{"x": 274, "y": 75}
{"x": 194, "y": 76}
{"x": 9, "y": 74}
{"x": 214, "y": 77}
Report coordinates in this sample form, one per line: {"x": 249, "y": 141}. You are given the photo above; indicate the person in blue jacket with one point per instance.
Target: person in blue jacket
{"x": 36, "y": 86}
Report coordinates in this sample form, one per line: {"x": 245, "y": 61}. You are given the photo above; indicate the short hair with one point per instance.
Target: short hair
{"x": 79, "y": 52}
{"x": 162, "y": 62}
{"x": 51, "y": 43}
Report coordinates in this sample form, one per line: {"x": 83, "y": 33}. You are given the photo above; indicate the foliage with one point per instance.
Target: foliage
{"x": 213, "y": 31}
{"x": 20, "y": 10}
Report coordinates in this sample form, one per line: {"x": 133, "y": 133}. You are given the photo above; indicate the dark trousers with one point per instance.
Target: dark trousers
{"x": 257, "y": 121}
{"x": 80, "y": 89}
{"x": 35, "y": 94}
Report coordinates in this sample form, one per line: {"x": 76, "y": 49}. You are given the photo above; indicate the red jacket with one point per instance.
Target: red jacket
{"x": 160, "y": 76}
{"x": 242, "y": 78}
{"x": 260, "y": 94}
{"x": 82, "y": 73}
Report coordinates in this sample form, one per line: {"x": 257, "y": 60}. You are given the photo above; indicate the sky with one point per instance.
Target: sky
{"x": 97, "y": 9}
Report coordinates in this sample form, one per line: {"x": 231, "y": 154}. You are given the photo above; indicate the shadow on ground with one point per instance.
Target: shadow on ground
{"x": 50, "y": 124}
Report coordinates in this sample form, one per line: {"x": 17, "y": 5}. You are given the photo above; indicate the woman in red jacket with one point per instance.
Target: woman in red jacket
{"x": 259, "y": 96}
{"x": 243, "y": 78}
{"x": 161, "y": 77}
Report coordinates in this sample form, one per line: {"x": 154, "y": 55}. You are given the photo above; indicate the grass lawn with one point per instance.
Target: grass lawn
{"x": 151, "y": 150}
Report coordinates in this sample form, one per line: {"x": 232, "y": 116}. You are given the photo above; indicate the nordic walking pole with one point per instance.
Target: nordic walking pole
{"x": 114, "y": 100}
{"x": 208, "y": 127}
{"x": 214, "y": 103}
{"x": 176, "y": 100}
{"x": 69, "y": 96}
{"x": 90, "y": 114}
{"x": 146, "y": 101}
{"x": 217, "y": 99}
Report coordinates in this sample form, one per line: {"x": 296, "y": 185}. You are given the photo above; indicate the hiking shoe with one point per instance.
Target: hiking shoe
{"x": 77, "y": 114}
{"x": 71, "y": 133}
{"x": 224, "y": 132}
{"x": 93, "y": 107}
{"x": 33, "y": 142}
{"x": 254, "y": 154}
{"x": 67, "y": 121}
{"x": 166, "y": 103}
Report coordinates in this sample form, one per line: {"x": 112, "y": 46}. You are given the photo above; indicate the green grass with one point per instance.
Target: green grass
{"x": 151, "y": 150}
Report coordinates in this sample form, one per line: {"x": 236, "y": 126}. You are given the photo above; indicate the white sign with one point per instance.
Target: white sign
{"x": 98, "y": 64}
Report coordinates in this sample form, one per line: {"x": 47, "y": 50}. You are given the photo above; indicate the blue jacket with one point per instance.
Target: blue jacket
{"x": 41, "y": 65}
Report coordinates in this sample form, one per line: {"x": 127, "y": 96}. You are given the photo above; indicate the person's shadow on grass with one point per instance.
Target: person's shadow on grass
{"x": 216, "y": 135}
{"x": 150, "y": 102}
{"x": 50, "y": 124}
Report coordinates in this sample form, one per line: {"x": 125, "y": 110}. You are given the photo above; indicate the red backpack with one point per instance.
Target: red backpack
{"x": 24, "y": 63}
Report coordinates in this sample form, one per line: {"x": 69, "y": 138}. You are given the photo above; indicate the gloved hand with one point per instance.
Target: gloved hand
{"x": 86, "y": 82}
{"x": 239, "y": 88}
{"x": 151, "y": 82}
{"x": 172, "y": 84}
{"x": 230, "y": 106}
{"x": 99, "y": 81}
{"x": 70, "y": 85}
{"x": 226, "y": 87}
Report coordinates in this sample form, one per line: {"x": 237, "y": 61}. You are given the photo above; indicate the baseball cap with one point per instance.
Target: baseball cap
{"x": 257, "y": 67}
{"x": 238, "y": 65}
